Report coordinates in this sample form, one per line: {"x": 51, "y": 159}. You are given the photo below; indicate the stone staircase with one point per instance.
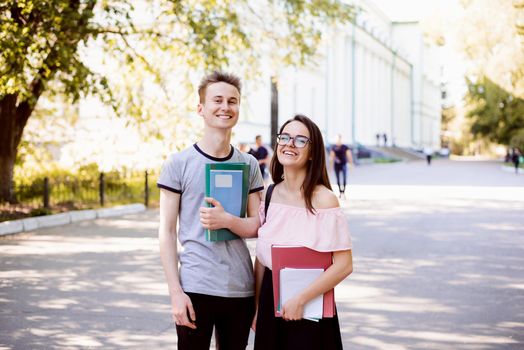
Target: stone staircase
{"x": 397, "y": 152}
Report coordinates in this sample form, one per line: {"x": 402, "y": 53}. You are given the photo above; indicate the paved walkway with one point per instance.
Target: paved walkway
{"x": 438, "y": 255}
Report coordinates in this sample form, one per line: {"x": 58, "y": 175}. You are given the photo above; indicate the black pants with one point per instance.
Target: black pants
{"x": 274, "y": 333}
{"x": 341, "y": 171}
{"x": 231, "y": 318}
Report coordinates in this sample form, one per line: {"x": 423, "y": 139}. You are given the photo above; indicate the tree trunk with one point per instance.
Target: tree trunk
{"x": 15, "y": 111}
{"x": 13, "y": 119}
{"x": 6, "y": 179}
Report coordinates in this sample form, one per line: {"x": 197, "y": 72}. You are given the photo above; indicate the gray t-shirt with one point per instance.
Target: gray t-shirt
{"x": 214, "y": 268}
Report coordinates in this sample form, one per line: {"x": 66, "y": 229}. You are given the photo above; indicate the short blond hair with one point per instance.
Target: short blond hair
{"x": 216, "y": 77}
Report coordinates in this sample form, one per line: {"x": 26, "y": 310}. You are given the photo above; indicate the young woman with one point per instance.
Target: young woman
{"x": 303, "y": 211}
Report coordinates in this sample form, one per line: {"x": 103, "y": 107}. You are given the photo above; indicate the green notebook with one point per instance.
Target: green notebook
{"x": 228, "y": 183}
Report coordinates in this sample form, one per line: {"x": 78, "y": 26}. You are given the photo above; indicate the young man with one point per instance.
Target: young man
{"x": 261, "y": 154}
{"x": 214, "y": 286}
{"x": 340, "y": 155}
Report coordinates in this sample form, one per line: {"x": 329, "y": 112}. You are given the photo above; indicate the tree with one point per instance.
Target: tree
{"x": 496, "y": 114}
{"x": 448, "y": 116}
{"x": 517, "y": 140}
{"x": 41, "y": 45}
{"x": 489, "y": 37}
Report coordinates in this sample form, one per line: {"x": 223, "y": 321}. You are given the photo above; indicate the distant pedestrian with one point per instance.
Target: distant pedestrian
{"x": 377, "y": 136}
{"x": 243, "y": 147}
{"x": 261, "y": 154}
{"x": 516, "y": 159}
{"x": 508, "y": 157}
{"x": 428, "y": 151}
{"x": 340, "y": 155}
{"x": 385, "y": 137}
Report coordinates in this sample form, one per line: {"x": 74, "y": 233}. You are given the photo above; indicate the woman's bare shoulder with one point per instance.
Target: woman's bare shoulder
{"x": 324, "y": 198}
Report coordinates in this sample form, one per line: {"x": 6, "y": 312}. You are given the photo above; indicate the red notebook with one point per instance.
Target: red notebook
{"x": 305, "y": 258}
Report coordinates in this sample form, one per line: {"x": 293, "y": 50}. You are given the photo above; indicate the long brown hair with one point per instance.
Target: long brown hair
{"x": 316, "y": 173}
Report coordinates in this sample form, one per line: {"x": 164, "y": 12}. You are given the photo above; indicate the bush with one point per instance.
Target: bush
{"x": 518, "y": 140}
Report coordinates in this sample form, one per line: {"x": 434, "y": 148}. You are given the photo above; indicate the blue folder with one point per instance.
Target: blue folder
{"x": 227, "y": 183}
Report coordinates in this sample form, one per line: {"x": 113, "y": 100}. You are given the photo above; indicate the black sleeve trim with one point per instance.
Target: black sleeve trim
{"x": 256, "y": 189}
{"x": 168, "y": 188}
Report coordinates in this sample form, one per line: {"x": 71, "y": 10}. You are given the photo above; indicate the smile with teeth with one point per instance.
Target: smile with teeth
{"x": 289, "y": 153}
{"x": 224, "y": 116}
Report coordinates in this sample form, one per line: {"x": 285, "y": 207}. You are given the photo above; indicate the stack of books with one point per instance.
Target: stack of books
{"x": 294, "y": 269}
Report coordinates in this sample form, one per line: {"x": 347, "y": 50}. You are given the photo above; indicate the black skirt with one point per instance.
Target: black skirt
{"x": 274, "y": 333}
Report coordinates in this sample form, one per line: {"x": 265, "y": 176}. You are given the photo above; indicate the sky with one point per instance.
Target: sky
{"x": 404, "y": 10}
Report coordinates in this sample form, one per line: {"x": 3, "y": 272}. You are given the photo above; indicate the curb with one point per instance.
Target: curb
{"x": 30, "y": 224}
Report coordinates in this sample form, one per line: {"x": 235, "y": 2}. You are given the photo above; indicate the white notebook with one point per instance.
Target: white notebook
{"x": 292, "y": 281}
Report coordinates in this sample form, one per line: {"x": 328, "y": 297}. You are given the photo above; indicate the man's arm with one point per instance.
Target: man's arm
{"x": 216, "y": 217}
{"x": 332, "y": 157}
{"x": 349, "y": 156}
{"x": 181, "y": 305}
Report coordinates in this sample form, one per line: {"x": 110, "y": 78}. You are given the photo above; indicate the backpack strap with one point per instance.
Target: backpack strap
{"x": 269, "y": 192}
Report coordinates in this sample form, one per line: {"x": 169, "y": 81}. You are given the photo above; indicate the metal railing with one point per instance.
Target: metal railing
{"x": 71, "y": 192}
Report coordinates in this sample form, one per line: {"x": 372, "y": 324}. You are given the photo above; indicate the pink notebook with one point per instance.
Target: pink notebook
{"x": 300, "y": 257}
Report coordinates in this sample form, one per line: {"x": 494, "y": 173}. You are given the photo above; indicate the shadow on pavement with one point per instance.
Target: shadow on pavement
{"x": 94, "y": 284}
{"x": 434, "y": 276}
{"x": 428, "y": 274}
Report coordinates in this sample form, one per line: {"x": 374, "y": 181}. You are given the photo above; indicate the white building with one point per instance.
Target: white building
{"x": 376, "y": 76}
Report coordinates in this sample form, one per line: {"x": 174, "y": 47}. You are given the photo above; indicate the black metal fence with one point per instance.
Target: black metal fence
{"x": 74, "y": 192}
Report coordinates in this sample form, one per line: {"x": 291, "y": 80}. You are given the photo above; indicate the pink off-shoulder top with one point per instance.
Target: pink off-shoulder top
{"x": 325, "y": 231}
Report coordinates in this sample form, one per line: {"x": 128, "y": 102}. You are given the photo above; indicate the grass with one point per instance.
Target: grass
{"x": 385, "y": 160}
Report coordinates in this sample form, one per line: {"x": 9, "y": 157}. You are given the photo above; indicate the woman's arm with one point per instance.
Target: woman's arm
{"x": 341, "y": 268}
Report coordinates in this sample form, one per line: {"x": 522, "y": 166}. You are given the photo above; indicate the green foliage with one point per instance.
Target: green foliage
{"x": 385, "y": 160}
{"x": 56, "y": 174}
{"x": 459, "y": 146}
{"x": 495, "y": 113}
{"x": 138, "y": 48}
{"x": 517, "y": 140}
{"x": 43, "y": 40}
{"x": 40, "y": 212}
{"x": 487, "y": 35}
{"x": 38, "y": 43}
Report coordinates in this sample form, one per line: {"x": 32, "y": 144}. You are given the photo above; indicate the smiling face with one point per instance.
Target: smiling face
{"x": 289, "y": 155}
{"x": 220, "y": 108}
